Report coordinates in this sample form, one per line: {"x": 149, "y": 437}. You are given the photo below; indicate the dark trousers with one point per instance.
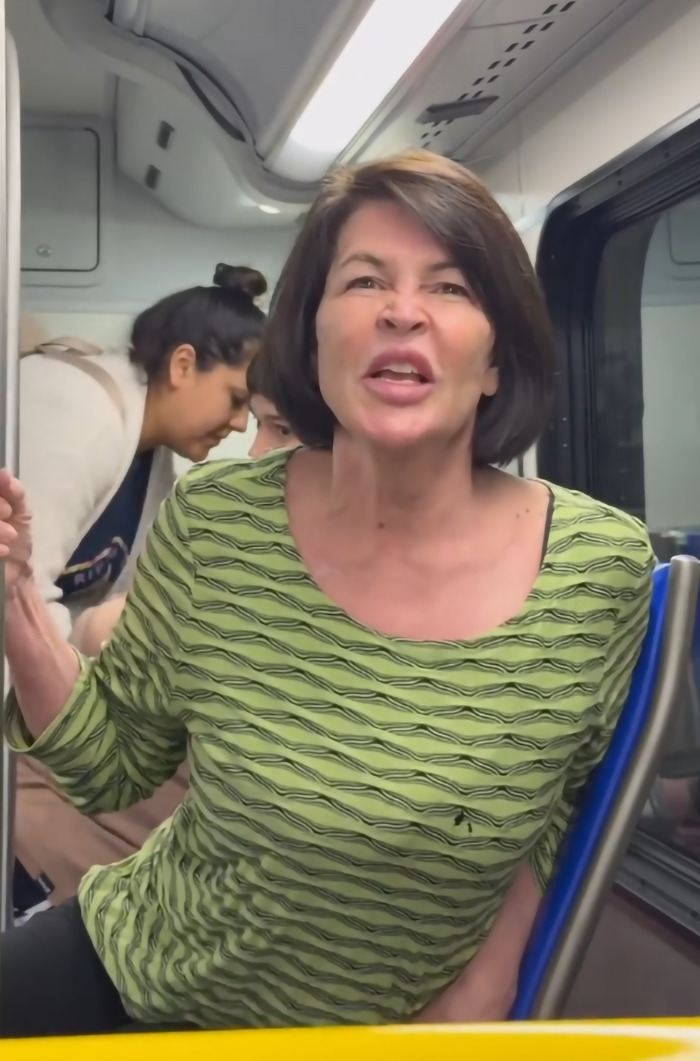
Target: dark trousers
{"x": 51, "y": 980}
{"x": 53, "y": 983}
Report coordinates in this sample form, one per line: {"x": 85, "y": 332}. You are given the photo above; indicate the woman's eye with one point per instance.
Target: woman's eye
{"x": 366, "y": 282}
{"x": 284, "y": 430}
{"x": 454, "y": 289}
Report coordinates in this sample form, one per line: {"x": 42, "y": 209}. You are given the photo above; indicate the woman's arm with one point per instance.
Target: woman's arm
{"x": 485, "y": 990}
{"x": 43, "y": 667}
{"x": 93, "y": 629}
{"x": 106, "y": 728}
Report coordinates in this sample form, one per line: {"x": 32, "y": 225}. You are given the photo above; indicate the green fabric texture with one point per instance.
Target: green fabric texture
{"x": 359, "y": 804}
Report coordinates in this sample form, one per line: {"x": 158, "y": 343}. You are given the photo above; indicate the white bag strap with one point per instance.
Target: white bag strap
{"x": 68, "y": 344}
{"x": 74, "y": 352}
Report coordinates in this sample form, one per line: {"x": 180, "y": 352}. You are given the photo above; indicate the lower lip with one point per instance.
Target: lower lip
{"x": 398, "y": 392}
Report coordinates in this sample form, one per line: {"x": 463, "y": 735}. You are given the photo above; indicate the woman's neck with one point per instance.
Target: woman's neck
{"x": 151, "y": 434}
{"x": 409, "y": 494}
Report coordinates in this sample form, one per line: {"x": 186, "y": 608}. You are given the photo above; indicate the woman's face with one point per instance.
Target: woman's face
{"x": 273, "y": 430}
{"x": 200, "y": 409}
{"x": 404, "y": 353}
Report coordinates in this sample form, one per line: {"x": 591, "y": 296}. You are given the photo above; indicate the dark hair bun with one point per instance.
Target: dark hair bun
{"x": 240, "y": 278}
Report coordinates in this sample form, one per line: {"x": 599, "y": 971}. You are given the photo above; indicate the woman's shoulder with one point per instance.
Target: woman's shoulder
{"x": 217, "y": 488}
{"x": 599, "y": 536}
{"x": 238, "y": 473}
{"x": 579, "y": 508}
{"x": 101, "y": 391}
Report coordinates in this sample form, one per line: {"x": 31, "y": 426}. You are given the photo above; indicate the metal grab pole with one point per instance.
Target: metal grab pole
{"x": 10, "y": 204}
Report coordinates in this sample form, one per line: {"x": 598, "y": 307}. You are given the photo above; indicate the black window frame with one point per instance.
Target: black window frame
{"x": 639, "y": 184}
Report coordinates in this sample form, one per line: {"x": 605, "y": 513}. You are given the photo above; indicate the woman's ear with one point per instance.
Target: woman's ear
{"x": 489, "y": 384}
{"x": 182, "y": 366}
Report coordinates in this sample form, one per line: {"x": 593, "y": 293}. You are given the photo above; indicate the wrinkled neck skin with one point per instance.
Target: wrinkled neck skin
{"x": 425, "y": 493}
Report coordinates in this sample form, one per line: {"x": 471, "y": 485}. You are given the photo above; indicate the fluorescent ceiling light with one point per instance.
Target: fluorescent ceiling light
{"x": 266, "y": 209}
{"x": 387, "y": 41}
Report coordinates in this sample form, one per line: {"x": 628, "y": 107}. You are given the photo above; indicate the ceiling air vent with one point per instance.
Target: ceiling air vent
{"x": 165, "y": 135}
{"x": 152, "y": 178}
{"x": 456, "y": 108}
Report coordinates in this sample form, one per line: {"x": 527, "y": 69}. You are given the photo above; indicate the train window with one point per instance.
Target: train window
{"x": 620, "y": 262}
{"x": 646, "y": 444}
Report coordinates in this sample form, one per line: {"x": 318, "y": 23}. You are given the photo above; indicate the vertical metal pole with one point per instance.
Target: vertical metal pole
{"x": 5, "y": 429}
{"x": 9, "y": 405}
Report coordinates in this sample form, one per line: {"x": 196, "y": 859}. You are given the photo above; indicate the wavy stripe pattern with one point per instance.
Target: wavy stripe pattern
{"x": 359, "y": 804}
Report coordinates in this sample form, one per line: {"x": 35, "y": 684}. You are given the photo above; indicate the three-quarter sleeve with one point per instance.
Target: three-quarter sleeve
{"x": 119, "y": 735}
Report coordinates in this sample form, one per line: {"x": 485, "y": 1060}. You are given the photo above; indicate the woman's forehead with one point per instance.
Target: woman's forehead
{"x": 261, "y": 407}
{"x": 383, "y": 229}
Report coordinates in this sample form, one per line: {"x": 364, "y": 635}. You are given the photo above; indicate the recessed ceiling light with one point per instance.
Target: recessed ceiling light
{"x": 363, "y": 74}
{"x": 268, "y": 209}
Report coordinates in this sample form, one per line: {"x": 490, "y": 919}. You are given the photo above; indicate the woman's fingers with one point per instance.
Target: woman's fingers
{"x": 10, "y": 487}
{"x": 14, "y": 515}
{"x": 8, "y": 534}
{"x": 12, "y": 496}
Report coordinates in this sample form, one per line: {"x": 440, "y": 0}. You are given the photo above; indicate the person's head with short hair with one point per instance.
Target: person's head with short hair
{"x": 273, "y": 430}
{"x": 194, "y": 348}
{"x": 409, "y": 311}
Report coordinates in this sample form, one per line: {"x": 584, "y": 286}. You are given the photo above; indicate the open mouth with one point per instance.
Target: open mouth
{"x": 400, "y": 374}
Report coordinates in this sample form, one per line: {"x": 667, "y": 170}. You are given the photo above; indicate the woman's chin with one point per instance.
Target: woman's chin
{"x": 398, "y": 432}
{"x": 196, "y": 452}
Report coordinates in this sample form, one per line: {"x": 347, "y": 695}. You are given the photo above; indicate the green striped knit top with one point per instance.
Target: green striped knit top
{"x": 359, "y": 804}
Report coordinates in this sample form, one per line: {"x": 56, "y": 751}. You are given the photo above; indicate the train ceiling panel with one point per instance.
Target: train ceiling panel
{"x": 505, "y": 55}
{"x": 255, "y": 49}
{"x": 52, "y": 81}
{"x": 502, "y": 12}
{"x": 233, "y": 81}
{"x": 172, "y": 158}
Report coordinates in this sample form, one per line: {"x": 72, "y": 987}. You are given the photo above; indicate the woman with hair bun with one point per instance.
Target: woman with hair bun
{"x": 113, "y": 421}
{"x": 98, "y": 431}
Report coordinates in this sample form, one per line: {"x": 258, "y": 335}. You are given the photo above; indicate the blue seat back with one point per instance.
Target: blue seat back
{"x": 598, "y": 800}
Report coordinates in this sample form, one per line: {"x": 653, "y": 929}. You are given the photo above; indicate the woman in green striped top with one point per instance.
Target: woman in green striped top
{"x": 389, "y": 666}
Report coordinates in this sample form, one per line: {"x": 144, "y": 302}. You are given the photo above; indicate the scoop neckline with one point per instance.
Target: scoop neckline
{"x": 280, "y": 476}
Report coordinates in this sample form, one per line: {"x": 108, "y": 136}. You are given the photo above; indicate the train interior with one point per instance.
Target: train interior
{"x": 160, "y": 138}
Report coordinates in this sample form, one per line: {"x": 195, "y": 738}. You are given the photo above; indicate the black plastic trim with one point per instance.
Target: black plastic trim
{"x": 644, "y": 181}
{"x": 579, "y": 224}
{"x": 663, "y": 878}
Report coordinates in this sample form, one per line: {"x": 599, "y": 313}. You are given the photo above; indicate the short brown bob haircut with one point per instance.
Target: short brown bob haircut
{"x": 255, "y": 379}
{"x": 464, "y": 218}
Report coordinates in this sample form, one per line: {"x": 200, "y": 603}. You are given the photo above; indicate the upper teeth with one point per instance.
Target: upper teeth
{"x": 402, "y": 366}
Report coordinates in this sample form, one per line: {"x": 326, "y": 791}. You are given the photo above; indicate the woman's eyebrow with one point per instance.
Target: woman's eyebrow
{"x": 365, "y": 258}
{"x": 378, "y": 263}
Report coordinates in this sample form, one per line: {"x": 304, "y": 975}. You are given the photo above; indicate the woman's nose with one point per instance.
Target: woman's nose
{"x": 404, "y": 310}
{"x": 258, "y": 447}
{"x": 239, "y": 421}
